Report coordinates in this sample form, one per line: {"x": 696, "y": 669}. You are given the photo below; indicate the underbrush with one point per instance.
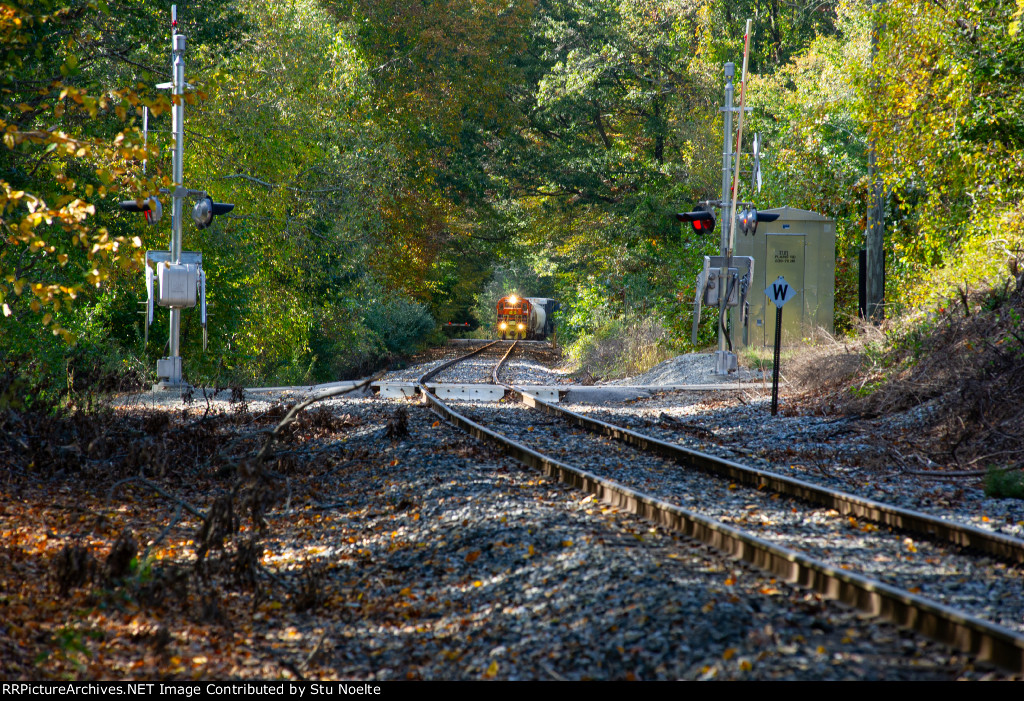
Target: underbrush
{"x": 762, "y": 359}
{"x": 960, "y": 367}
{"x": 827, "y": 368}
{"x": 147, "y": 522}
{"x": 48, "y": 379}
{"x": 621, "y": 348}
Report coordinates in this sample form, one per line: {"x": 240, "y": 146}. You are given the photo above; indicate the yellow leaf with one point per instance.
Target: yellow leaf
{"x": 729, "y": 653}
{"x": 492, "y": 669}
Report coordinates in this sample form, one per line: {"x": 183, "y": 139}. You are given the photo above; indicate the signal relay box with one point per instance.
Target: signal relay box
{"x": 178, "y": 283}
{"x": 799, "y": 246}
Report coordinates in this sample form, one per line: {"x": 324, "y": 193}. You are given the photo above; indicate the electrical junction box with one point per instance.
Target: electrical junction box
{"x": 799, "y": 246}
{"x": 168, "y": 367}
{"x": 178, "y": 284}
{"x": 712, "y": 290}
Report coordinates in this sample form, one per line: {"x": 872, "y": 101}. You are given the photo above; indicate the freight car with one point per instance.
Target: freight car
{"x": 526, "y": 317}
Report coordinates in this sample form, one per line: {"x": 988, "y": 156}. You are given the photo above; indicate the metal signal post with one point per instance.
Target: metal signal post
{"x": 172, "y": 368}
{"x": 726, "y": 279}
{"x": 180, "y": 275}
{"x": 725, "y": 359}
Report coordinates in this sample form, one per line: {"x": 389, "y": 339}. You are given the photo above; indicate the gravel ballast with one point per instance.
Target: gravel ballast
{"x": 979, "y": 586}
{"x": 440, "y": 559}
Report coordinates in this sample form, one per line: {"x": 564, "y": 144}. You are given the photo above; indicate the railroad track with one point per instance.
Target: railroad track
{"x": 959, "y": 623}
{"x": 437, "y": 370}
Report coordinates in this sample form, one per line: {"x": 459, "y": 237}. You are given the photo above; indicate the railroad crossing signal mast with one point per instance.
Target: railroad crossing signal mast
{"x": 722, "y": 282}
{"x": 178, "y": 273}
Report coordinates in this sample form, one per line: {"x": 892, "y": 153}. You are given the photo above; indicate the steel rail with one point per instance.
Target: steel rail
{"x": 985, "y": 640}
{"x": 998, "y": 545}
{"x": 497, "y": 368}
{"x": 427, "y": 376}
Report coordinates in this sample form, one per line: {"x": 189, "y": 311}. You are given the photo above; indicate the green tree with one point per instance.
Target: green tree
{"x": 69, "y": 143}
{"x": 943, "y": 102}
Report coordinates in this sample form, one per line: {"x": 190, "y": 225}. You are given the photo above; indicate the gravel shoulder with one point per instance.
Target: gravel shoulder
{"x": 690, "y": 368}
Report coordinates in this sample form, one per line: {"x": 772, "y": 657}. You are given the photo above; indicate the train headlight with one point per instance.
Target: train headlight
{"x": 521, "y": 327}
{"x": 512, "y": 299}
{"x": 503, "y": 326}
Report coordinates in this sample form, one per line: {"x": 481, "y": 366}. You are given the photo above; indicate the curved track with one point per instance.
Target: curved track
{"x": 434, "y": 372}
{"x": 983, "y": 638}
{"x": 500, "y": 363}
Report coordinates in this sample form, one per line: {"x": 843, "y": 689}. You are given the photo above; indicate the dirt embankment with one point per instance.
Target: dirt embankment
{"x": 957, "y": 370}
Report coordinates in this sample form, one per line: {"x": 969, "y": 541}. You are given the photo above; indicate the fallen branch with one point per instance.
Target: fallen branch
{"x": 295, "y": 410}
{"x": 159, "y": 490}
{"x": 163, "y": 533}
{"x": 936, "y": 474}
{"x": 690, "y": 428}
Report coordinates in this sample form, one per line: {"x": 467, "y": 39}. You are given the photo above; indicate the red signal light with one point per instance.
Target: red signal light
{"x": 702, "y": 219}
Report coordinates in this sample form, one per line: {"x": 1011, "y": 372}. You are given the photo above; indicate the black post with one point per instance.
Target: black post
{"x": 862, "y": 283}
{"x": 775, "y": 363}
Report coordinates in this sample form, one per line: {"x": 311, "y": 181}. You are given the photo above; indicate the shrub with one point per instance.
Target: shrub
{"x": 1003, "y": 483}
{"x": 402, "y": 325}
{"x": 621, "y": 347}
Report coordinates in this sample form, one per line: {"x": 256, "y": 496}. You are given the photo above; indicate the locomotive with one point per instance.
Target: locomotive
{"x": 526, "y": 317}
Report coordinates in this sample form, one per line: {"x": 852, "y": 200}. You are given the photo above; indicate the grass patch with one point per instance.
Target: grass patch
{"x": 762, "y": 359}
